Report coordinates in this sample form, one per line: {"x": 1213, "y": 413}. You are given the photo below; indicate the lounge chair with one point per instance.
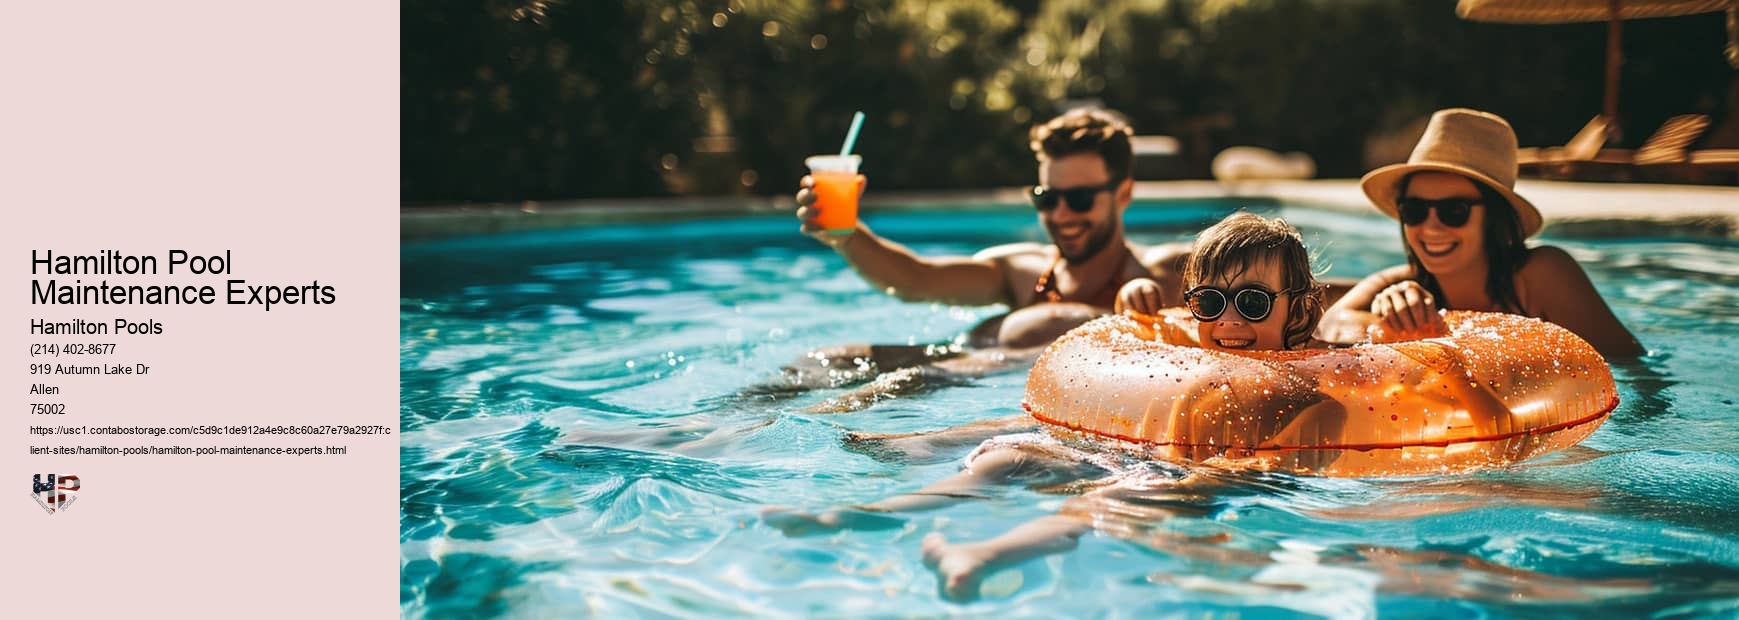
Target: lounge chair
{"x": 1707, "y": 166}
{"x": 1251, "y": 163}
{"x": 1663, "y": 151}
{"x": 1584, "y": 145}
{"x": 1715, "y": 160}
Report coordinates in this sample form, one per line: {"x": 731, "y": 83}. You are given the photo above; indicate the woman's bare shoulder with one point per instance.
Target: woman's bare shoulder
{"x": 1548, "y": 259}
{"x": 1549, "y": 279}
{"x": 1549, "y": 270}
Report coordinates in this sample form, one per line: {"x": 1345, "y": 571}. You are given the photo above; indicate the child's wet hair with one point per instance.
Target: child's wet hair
{"x": 1244, "y": 240}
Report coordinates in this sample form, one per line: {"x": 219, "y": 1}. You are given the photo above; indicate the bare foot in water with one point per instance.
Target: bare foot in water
{"x": 959, "y": 567}
{"x": 797, "y": 523}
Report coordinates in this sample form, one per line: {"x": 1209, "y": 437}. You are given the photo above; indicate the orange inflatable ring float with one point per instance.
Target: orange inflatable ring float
{"x": 1498, "y": 389}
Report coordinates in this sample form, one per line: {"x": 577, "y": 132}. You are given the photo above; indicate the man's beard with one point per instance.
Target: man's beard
{"x": 1097, "y": 240}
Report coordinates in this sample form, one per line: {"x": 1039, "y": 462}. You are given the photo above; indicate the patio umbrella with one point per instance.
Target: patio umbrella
{"x": 1610, "y": 11}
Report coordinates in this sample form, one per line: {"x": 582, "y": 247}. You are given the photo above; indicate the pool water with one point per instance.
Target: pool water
{"x": 574, "y": 445}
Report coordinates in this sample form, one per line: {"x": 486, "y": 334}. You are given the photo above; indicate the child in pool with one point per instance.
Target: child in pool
{"x": 1250, "y": 288}
{"x": 1250, "y": 285}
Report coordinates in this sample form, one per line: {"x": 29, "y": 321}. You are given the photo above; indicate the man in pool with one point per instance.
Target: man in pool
{"x": 1085, "y": 166}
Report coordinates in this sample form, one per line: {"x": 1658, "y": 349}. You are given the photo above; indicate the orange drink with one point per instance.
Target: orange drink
{"x": 837, "y": 186}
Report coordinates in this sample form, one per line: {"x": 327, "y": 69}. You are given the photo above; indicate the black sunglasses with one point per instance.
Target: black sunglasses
{"x": 1253, "y": 302}
{"x": 1079, "y": 199}
{"x": 1453, "y": 212}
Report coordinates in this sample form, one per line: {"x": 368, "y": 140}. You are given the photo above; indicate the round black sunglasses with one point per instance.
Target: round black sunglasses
{"x": 1253, "y": 302}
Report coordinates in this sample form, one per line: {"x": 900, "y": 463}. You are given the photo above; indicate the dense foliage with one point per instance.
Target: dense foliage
{"x": 546, "y": 99}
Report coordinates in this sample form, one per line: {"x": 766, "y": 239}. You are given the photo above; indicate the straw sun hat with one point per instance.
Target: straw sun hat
{"x": 1474, "y": 144}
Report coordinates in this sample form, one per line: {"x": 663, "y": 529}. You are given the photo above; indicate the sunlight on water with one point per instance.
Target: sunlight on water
{"x": 577, "y": 442}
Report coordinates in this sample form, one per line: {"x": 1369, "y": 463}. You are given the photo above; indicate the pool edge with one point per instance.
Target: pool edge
{"x": 1586, "y": 210}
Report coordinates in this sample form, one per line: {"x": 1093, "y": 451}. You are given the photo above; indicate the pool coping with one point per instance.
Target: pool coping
{"x": 1588, "y": 210}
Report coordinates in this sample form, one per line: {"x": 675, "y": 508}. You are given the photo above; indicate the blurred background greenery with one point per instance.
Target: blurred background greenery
{"x": 510, "y": 100}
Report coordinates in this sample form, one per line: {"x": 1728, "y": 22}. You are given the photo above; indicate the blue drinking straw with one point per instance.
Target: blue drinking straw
{"x": 851, "y": 136}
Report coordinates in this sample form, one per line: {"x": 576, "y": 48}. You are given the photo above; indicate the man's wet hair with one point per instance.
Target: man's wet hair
{"x": 1087, "y": 130}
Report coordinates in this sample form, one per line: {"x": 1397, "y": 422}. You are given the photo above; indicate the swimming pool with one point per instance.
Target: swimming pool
{"x": 632, "y": 340}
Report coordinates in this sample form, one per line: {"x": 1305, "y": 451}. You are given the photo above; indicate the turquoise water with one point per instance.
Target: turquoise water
{"x": 573, "y": 446}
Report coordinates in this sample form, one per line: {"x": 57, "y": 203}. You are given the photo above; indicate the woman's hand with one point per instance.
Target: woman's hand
{"x": 1407, "y": 308}
{"x": 1140, "y": 295}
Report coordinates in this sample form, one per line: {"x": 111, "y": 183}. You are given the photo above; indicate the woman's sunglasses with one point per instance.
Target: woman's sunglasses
{"x": 1207, "y": 303}
{"x": 1079, "y": 199}
{"x": 1453, "y": 212}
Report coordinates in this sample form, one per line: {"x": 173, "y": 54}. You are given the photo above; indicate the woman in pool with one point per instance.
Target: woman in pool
{"x": 1464, "y": 226}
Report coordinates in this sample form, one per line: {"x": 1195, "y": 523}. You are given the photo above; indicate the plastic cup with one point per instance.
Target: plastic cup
{"x": 837, "y": 186}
